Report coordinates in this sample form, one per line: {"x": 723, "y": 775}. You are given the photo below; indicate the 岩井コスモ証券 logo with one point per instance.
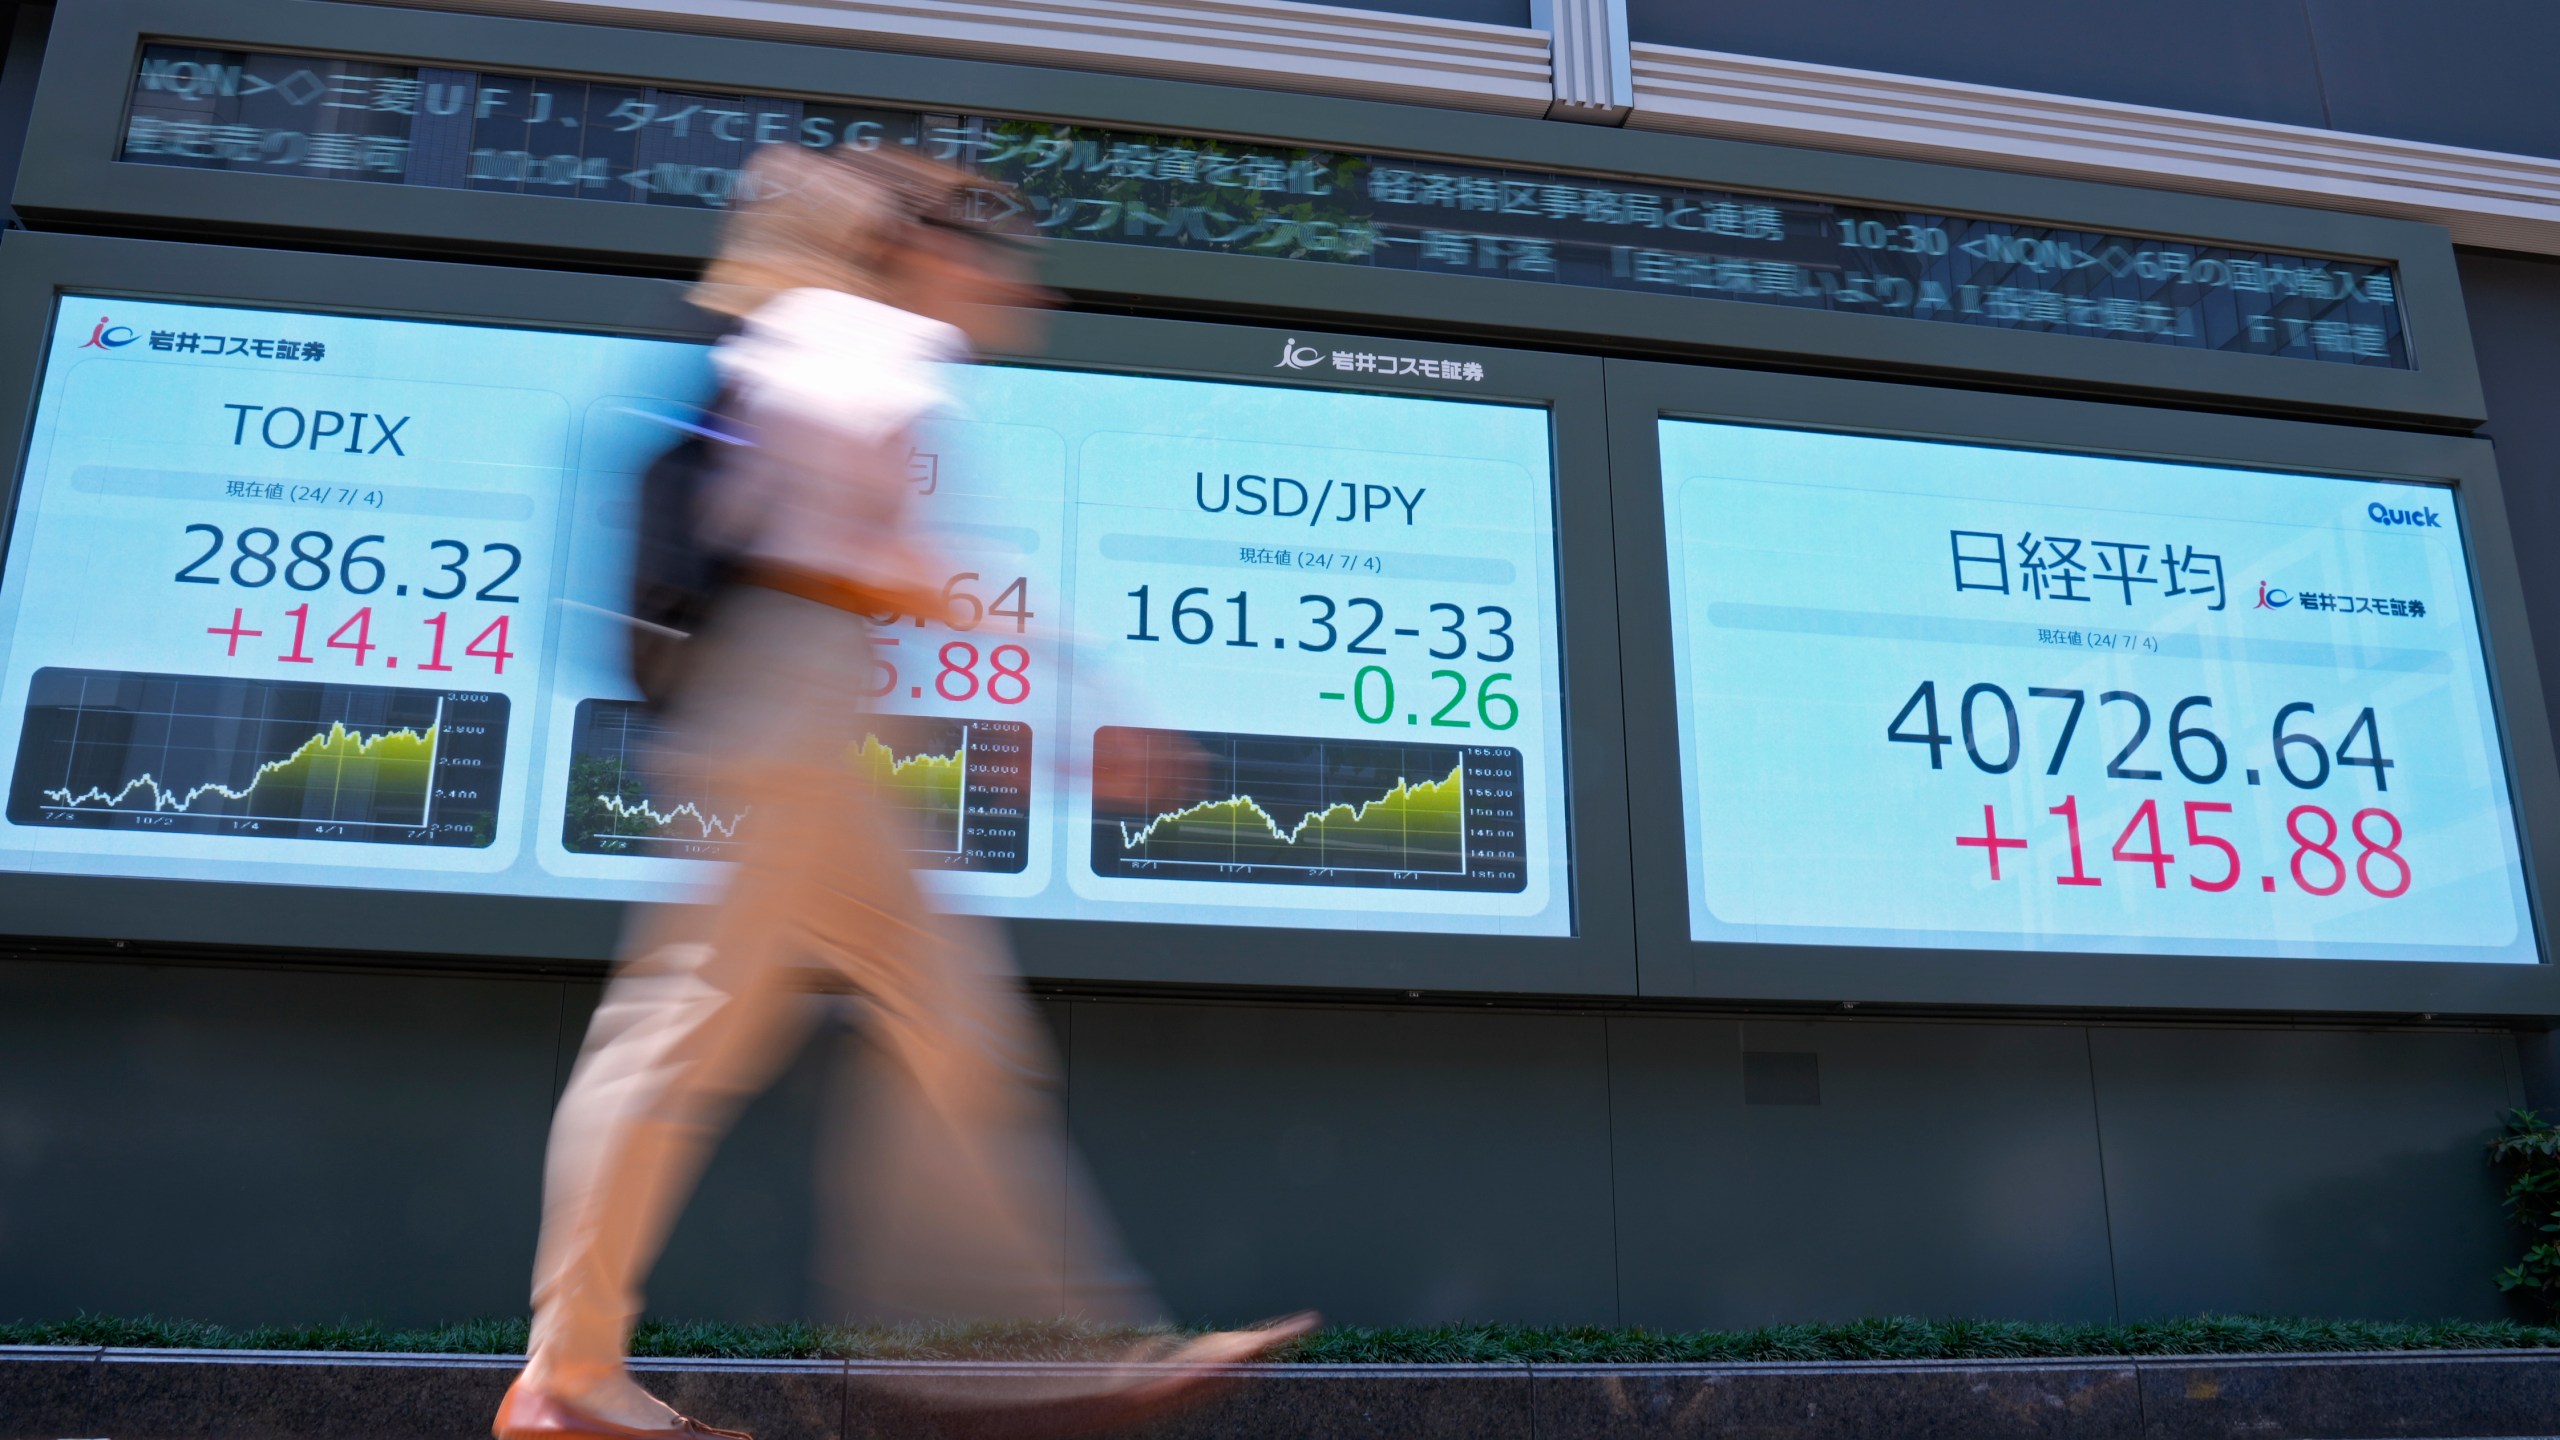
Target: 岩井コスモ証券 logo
{"x": 109, "y": 336}
{"x": 2396, "y": 606}
{"x": 1294, "y": 356}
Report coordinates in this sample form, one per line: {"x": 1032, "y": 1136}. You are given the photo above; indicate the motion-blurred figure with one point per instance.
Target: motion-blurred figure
{"x": 856, "y": 281}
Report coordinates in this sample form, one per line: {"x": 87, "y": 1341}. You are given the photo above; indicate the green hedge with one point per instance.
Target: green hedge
{"x": 1886, "y": 1339}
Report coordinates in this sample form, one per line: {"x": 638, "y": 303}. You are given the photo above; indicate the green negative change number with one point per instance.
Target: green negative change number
{"x": 1373, "y": 699}
{"x": 1386, "y": 699}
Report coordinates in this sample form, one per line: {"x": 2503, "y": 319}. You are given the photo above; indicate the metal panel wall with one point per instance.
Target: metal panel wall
{"x": 1927, "y": 1169}
{"x": 2305, "y": 1172}
{"x": 2258, "y": 63}
{"x": 369, "y": 1147}
{"x": 1396, "y": 1165}
{"x": 2445, "y": 74}
{"x": 247, "y": 1145}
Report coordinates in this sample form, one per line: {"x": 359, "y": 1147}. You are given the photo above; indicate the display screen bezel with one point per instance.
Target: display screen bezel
{"x": 1596, "y": 959}
{"x": 1643, "y": 394}
{"x": 82, "y": 102}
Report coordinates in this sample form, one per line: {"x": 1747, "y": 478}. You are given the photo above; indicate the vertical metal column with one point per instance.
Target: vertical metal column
{"x": 1594, "y": 79}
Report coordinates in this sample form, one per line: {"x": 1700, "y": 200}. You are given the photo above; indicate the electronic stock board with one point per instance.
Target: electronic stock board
{"x": 1986, "y": 699}
{"x": 333, "y": 600}
{"x": 2124, "y": 705}
{"x": 319, "y": 601}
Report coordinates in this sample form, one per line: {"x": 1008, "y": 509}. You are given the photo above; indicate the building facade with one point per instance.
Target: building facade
{"x": 1988, "y": 561}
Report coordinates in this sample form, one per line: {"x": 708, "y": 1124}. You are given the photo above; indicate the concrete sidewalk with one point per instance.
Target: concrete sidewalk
{"x": 83, "y": 1393}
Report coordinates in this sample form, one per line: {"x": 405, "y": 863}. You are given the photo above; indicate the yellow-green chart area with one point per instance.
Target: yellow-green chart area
{"x": 931, "y": 787}
{"x": 182, "y": 754}
{"x": 962, "y": 787}
{"x": 330, "y": 773}
{"x": 1292, "y": 810}
{"x": 1411, "y": 827}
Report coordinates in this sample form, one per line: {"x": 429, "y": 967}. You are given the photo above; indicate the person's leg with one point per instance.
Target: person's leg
{"x": 975, "y": 1205}
{"x": 703, "y": 1016}
{"x": 962, "y": 1199}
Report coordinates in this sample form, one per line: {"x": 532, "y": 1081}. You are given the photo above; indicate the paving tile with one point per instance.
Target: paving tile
{"x": 208, "y": 1395}
{"x": 770, "y": 1399}
{"x": 1348, "y": 1402}
{"x": 45, "y": 1390}
{"x": 51, "y": 1392}
{"x": 1339, "y": 1402}
{"x": 2474, "y": 1394}
{"x": 1840, "y": 1402}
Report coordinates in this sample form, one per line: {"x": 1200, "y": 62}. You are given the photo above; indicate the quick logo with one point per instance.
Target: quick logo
{"x": 2382, "y": 514}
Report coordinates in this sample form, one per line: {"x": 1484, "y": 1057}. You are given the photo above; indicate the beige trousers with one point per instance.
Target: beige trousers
{"x": 966, "y": 1202}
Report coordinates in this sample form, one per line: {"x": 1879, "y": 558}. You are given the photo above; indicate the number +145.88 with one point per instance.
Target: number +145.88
{"x": 2378, "y": 865}
{"x": 1987, "y": 719}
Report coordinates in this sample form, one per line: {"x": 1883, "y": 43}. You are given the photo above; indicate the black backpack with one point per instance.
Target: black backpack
{"x": 677, "y": 574}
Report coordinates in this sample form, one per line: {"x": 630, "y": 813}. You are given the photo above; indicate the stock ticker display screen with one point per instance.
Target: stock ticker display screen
{"x": 333, "y": 600}
{"x": 1941, "y": 695}
{"x": 600, "y": 141}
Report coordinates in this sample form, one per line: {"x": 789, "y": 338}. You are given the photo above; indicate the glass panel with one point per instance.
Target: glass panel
{"x": 1943, "y": 695}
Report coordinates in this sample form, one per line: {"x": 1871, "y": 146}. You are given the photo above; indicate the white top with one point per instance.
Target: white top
{"x": 832, "y": 386}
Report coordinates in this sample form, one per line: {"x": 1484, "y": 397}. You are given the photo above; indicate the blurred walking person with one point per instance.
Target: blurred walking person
{"x": 856, "y": 281}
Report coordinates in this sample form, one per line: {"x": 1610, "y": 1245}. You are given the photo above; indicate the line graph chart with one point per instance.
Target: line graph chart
{"x": 961, "y": 786}
{"x": 630, "y": 793}
{"x": 1300, "y": 811}
{"x": 184, "y": 754}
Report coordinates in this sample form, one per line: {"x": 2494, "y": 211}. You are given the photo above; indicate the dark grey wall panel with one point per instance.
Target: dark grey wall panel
{"x": 2515, "y": 324}
{"x": 2304, "y": 1172}
{"x": 2469, "y": 72}
{"x": 2230, "y": 57}
{"x": 1483, "y": 12}
{"x": 22, "y": 34}
{"x": 578, "y": 1002}
{"x": 764, "y": 1237}
{"x": 1947, "y": 1170}
{"x": 247, "y": 1146}
{"x": 1383, "y": 1165}
{"x": 288, "y": 1147}
{"x": 2460, "y": 72}
{"x": 743, "y": 1249}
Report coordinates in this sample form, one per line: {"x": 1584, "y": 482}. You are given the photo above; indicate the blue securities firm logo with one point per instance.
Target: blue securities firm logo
{"x": 109, "y": 336}
{"x": 2389, "y": 517}
{"x": 2384, "y": 515}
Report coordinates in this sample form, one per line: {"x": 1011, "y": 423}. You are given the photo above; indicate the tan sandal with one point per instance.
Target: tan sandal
{"x": 1146, "y": 1386}
{"x": 531, "y": 1415}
